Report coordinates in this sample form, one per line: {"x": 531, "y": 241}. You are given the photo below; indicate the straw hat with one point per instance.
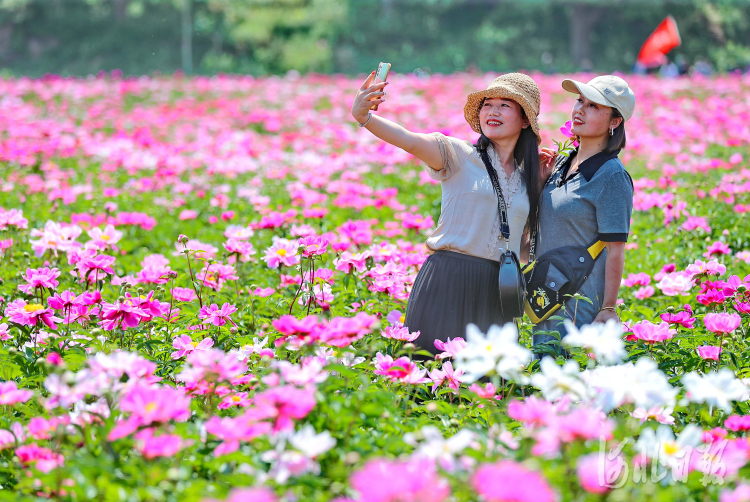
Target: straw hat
{"x": 516, "y": 86}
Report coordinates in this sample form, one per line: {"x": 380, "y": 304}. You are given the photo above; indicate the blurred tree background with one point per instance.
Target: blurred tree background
{"x": 80, "y": 37}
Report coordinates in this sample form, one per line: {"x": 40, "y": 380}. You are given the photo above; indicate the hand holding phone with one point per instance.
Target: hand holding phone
{"x": 381, "y": 75}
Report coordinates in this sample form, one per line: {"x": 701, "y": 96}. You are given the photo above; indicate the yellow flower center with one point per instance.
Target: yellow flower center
{"x": 670, "y": 448}
{"x": 402, "y": 319}
{"x": 281, "y": 252}
{"x": 193, "y": 344}
{"x": 33, "y": 307}
{"x": 105, "y": 237}
{"x": 236, "y": 399}
{"x": 150, "y": 407}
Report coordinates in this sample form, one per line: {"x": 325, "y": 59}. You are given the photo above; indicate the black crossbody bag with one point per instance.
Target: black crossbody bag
{"x": 511, "y": 282}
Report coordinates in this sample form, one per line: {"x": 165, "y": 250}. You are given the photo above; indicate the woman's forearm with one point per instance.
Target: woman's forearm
{"x": 422, "y": 146}
{"x": 613, "y": 272}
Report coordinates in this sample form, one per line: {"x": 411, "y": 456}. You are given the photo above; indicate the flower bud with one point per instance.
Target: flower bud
{"x": 182, "y": 238}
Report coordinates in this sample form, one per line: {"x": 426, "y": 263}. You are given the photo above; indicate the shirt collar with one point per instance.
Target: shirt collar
{"x": 590, "y": 166}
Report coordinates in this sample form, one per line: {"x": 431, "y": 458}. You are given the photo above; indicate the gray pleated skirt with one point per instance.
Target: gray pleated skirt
{"x": 451, "y": 291}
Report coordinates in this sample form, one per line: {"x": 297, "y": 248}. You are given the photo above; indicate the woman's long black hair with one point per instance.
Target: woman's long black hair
{"x": 526, "y": 154}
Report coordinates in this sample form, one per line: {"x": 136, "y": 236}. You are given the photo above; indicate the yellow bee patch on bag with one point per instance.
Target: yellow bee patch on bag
{"x": 540, "y": 298}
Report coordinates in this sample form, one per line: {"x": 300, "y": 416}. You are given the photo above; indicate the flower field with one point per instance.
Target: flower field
{"x": 203, "y": 281}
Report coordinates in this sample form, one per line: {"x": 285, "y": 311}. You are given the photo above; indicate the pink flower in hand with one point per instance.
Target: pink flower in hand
{"x": 568, "y": 133}
{"x": 217, "y": 316}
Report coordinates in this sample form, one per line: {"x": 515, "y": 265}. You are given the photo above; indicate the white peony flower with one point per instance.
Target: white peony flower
{"x": 434, "y": 446}
{"x": 673, "y": 453}
{"x": 557, "y": 381}
{"x": 604, "y": 340}
{"x": 642, "y": 384}
{"x": 715, "y": 388}
{"x": 498, "y": 351}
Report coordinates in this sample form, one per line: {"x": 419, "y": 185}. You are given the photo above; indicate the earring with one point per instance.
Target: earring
{"x": 611, "y": 131}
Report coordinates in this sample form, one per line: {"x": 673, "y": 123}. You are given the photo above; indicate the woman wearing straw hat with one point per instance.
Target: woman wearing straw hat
{"x": 458, "y": 283}
{"x": 589, "y": 198}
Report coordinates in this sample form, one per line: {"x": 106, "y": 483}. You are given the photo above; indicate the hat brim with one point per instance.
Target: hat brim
{"x": 474, "y": 100}
{"x": 587, "y": 91}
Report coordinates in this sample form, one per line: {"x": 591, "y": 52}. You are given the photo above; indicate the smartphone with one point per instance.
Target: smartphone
{"x": 381, "y": 75}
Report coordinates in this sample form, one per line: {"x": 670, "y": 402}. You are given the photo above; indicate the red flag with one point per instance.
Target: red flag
{"x": 665, "y": 37}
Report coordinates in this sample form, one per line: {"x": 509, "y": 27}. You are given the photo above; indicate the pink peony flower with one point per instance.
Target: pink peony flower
{"x": 696, "y": 222}
{"x": 313, "y": 245}
{"x": 640, "y": 279}
{"x": 149, "y": 405}
{"x": 286, "y": 404}
{"x": 123, "y": 314}
{"x": 382, "y": 480}
{"x": 248, "y": 495}
{"x": 644, "y": 292}
{"x": 40, "y": 278}
{"x": 701, "y": 268}
{"x": 184, "y": 294}
{"x": 262, "y": 292}
{"x": 245, "y": 427}
{"x": 709, "y": 352}
{"x": 450, "y": 347}
{"x": 651, "y": 333}
{"x": 43, "y": 459}
{"x": 659, "y": 413}
{"x": 507, "y": 481}
{"x": 217, "y": 316}
{"x": 717, "y": 249}
{"x": 676, "y": 283}
{"x": 401, "y": 370}
{"x": 684, "y": 318}
{"x": 29, "y": 314}
{"x": 721, "y": 323}
{"x": 487, "y": 392}
{"x": 4, "y": 332}
{"x": 737, "y": 423}
{"x": 11, "y": 394}
{"x": 151, "y": 446}
{"x": 599, "y": 473}
{"x": 185, "y": 345}
{"x": 282, "y": 252}
{"x": 216, "y": 275}
{"x": 400, "y": 333}
{"x": 446, "y": 375}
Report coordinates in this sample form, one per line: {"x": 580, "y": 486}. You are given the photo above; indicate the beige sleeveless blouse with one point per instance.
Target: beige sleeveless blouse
{"x": 469, "y": 222}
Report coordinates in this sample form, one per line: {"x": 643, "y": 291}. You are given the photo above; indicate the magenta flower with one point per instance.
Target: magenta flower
{"x": 29, "y": 314}
{"x": 396, "y": 318}
{"x": 242, "y": 428}
{"x": 286, "y": 404}
{"x": 507, "y": 481}
{"x": 450, "y": 347}
{"x": 184, "y": 294}
{"x": 11, "y": 394}
{"x": 288, "y": 325}
{"x": 696, "y": 222}
{"x": 684, "y": 318}
{"x": 97, "y": 266}
{"x": 216, "y": 275}
{"x": 282, "y": 252}
{"x": 401, "y": 370}
{"x": 737, "y": 423}
{"x": 651, "y": 333}
{"x": 343, "y": 331}
{"x": 217, "y": 316}
{"x": 447, "y": 375}
{"x": 742, "y": 308}
{"x": 262, "y": 292}
{"x": 721, "y": 323}
{"x": 599, "y": 475}
{"x": 640, "y": 279}
{"x": 103, "y": 239}
{"x": 185, "y": 345}
{"x": 43, "y": 459}
{"x": 644, "y": 292}
{"x": 382, "y": 480}
{"x": 709, "y": 352}
{"x": 701, "y": 268}
{"x": 4, "y": 332}
{"x": 487, "y": 392}
{"x": 40, "y": 278}
{"x": 718, "y": 248}
{"x": 400, "y": 333}
{"x": 149, "y": 405}
{"x": 416, "y": 221}
{"x": 239, "y": 399}
{"x": 313, "y": 245}
{"x": 247, "y": 495}
{"x": 150, "y": 446}
{"x": 121, "y": 314}
{"x": 211, "y": 365}
{"x": 711, "y": 297}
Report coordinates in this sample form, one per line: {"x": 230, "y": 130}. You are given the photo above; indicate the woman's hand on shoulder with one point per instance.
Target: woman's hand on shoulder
{"x": 547, "y": 158}
{"x": 367, "y": 96}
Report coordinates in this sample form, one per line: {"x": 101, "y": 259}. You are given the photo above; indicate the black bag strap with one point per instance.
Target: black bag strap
{"x": 535, "y": 233}
{"x": 501, "y": 208}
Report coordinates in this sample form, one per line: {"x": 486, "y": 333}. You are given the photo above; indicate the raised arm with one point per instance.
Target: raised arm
{"x": 423, "y": 146}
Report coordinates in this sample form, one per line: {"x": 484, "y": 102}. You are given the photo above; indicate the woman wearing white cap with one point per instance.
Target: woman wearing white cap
{"x": 589, "y": 198}
{"x": 458, "y": 283}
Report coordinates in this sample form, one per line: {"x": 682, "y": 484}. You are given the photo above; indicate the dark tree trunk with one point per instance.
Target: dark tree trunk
{"x": 583, "y": 19}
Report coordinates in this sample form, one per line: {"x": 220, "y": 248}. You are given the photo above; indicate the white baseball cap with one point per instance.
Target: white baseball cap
{"x": 607, "y": 90}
